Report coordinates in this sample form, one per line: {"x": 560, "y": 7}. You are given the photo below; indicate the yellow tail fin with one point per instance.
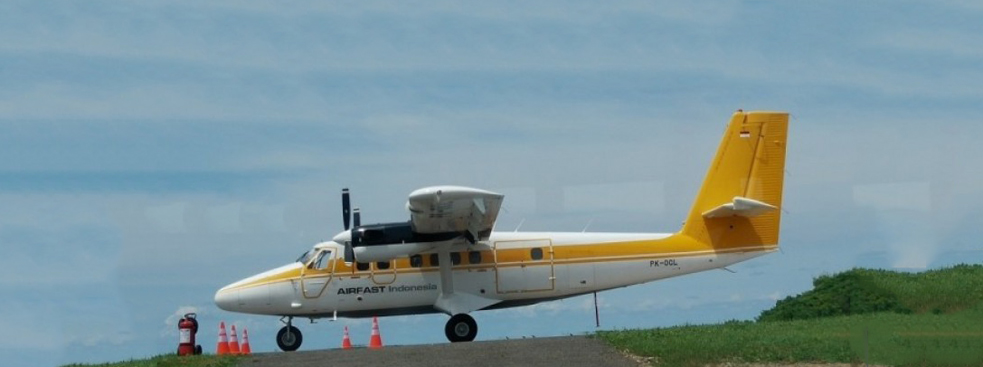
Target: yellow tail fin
{"x": 739, "y": 204}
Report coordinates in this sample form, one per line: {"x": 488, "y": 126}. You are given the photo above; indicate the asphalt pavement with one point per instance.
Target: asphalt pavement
{"x": 574, "y": 351}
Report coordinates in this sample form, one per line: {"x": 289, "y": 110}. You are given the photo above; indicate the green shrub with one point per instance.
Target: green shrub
{"x": 863, "y": 291}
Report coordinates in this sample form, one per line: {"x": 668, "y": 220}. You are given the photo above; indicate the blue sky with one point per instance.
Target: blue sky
{"x": 155, "y": 151}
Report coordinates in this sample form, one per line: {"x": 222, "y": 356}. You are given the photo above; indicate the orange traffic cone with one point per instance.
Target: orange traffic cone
{"x": 245, "y": 342}
{"x": 346, "y": 342}
{"x": 233, "y": 341}
{"x": 223, "y": 340}
{"x": 375, "y": 341}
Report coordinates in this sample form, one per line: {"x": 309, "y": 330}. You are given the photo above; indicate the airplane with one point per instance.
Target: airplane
{"x": 446, "y": 258}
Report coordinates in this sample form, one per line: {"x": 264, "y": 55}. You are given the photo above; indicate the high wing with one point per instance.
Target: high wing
{"x": 454, "y": 209}
{"x": 443, "y": 209}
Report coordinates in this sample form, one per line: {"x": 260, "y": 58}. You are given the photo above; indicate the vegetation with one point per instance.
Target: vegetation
{"x": 168, "y": 360}
{"x": 883, "y": 317}
{"x": 862, "y": 291}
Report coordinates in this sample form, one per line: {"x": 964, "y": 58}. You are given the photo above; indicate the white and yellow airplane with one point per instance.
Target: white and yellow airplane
{"x": 447, "y": 259}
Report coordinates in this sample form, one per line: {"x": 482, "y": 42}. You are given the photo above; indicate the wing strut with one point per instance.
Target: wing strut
{"x": 450, "y": 301}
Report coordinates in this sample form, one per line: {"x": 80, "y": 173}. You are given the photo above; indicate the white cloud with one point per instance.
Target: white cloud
{"x": 915, "y": 196}
{"x": 168, "y": 218}
{"x": 903, "y": 214}
{"x": 25, "y": 329}
{"x": 628, "y": 196}
{"x": 100, "y": 337}
{"x": 942, "y": 42}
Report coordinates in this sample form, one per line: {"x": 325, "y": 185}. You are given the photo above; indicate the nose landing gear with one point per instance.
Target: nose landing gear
{"x": 461, "y": 328}
{"x": 289, "y": 337}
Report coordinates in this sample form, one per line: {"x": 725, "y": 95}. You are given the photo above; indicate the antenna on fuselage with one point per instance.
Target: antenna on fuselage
{"x": 591, "y": 221}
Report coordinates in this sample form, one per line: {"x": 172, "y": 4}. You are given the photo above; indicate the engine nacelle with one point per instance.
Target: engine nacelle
{"x": 375, "y": 253}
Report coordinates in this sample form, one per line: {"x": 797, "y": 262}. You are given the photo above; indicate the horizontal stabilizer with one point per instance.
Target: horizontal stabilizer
{"x": 741, "y": 206}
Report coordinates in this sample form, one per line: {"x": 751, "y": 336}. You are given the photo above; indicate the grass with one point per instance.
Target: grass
{"x": 933, "y": 318}
{"x": 204, "y": 360}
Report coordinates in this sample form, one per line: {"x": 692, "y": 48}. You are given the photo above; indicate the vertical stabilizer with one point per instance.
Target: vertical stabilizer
{"x": 739, "y": 204}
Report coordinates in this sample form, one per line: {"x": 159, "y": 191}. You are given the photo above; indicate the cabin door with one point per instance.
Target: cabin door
{"x": 524, "y": 266}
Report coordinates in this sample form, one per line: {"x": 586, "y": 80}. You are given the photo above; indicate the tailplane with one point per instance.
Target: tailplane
{"x": 739, "y": 204}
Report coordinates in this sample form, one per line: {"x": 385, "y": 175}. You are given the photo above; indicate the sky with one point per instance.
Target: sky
{"x": 152, "y": 152}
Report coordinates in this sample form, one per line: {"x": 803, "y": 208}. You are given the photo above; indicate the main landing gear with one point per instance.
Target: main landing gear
{"x": 289, "y": 337}
{"x": 461, "y": 328}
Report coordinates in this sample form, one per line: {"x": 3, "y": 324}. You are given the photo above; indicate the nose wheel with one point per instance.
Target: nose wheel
{"x": 461, "y": 328}
{"x": 289, "y": 337}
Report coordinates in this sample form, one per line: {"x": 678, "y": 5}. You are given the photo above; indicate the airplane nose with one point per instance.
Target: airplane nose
{"x": 227, "y": 299}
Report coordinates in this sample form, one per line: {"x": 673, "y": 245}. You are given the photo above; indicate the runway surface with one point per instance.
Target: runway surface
{"x": 576, "y": 351}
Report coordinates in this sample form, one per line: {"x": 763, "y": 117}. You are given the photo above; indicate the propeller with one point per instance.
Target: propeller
{"x": 356, "y": 238}
{"x": 346, "y": 212}
{"x": 346, "y": 206}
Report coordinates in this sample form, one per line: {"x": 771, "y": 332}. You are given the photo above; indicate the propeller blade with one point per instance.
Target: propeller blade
{"x": 355, "y": 238}
{"x": 346, "y": 206}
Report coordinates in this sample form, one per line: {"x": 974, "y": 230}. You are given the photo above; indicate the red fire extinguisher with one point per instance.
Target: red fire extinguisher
{"x": 187, "y": 328}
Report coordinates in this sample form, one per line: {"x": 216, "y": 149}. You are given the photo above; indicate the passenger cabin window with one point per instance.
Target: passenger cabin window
{"x": 362, "y": 266}
{"x": 323, "y": 260}
{"x": 416, "y": 261}
{"x": 434, "y": 260}
{"x": 536, "y": 253}
{"x": 474, "y": 257}
{"x": 456, "y": 258}
{"x": 382, "y": 265}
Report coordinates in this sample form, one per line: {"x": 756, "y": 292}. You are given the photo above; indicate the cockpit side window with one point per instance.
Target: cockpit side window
{"x": 323, "y": 260}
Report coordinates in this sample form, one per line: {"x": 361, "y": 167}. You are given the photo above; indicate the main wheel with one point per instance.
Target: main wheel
{"x": 289, "y": 338}
{"x": 461, "y": 328}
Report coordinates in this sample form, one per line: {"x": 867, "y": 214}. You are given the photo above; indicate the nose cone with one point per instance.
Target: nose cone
{"x": 227, "y": 299}
{"x": 253, "y": 294}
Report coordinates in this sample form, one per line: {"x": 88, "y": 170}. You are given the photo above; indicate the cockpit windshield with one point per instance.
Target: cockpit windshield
{"x": 306, "y": 256}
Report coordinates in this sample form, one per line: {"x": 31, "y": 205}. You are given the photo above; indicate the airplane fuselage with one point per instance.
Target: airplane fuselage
{"x": 509, "y": 269}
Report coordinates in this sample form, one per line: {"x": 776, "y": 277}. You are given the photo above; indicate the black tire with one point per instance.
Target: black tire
{"x": 198, "y": 349}
{"x": 461, "y": 328}
{"x": 289, "y": 338}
